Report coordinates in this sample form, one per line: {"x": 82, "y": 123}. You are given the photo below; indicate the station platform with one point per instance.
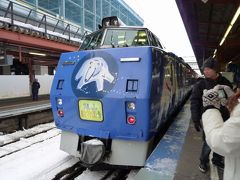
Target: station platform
{"x": 24, "y": 105}
{"x": 176, "y": 157}
{"x": 22, "y": 100}
{"x": 22, "y": 113}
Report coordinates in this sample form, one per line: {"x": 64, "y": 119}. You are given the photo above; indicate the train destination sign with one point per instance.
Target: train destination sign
{"x": 90, "y": 110}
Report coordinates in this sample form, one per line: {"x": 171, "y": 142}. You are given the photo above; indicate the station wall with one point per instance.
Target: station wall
{"x": 19, "y": 86}
{"x": 45, "y": 83}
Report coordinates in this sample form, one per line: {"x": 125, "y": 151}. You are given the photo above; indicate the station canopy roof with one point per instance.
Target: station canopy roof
{"x": 207, "y": 22}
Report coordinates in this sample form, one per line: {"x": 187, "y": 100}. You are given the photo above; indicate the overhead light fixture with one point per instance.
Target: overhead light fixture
{"x": 38, "y": 54}
{"x": 204, "y": 1}
{"x": 214, "y": 53}
{"x": 235, "y": 17}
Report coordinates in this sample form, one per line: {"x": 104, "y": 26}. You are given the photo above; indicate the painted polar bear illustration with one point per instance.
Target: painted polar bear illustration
{"x": 94, "y": 69}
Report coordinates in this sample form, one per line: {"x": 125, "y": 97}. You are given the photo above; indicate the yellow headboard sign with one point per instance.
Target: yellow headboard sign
{"x": 90, "y": 110}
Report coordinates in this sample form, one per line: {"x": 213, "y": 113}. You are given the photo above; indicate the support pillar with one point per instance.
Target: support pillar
{"x": 31, "y": 75}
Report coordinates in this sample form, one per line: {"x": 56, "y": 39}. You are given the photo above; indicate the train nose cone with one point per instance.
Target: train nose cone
{"x": 92, "y": 151}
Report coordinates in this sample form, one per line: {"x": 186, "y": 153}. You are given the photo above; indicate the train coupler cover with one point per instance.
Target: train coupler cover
{"x": 92, "y": 151}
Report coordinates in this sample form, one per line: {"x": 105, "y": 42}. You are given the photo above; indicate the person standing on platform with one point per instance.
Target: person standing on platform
{"x": 35, "y": 89}
{"x": 212, "y": 78}
{"x": 223, "y": 137}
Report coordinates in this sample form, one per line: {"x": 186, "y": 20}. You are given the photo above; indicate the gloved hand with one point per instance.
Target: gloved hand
{"x": 210, "y": 99}
{"x": 197, "y": 126}
{"x": 227, "y": 91}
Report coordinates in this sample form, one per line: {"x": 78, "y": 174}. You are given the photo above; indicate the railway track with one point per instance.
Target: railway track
{"x": 14, "y": 142}
{"x": 21, "y": 146}
{"x": 70, "y": 172}
{"x": 119, "y": 174}
{"x": 6, "y": 139}
{"x": 78, "y": 172}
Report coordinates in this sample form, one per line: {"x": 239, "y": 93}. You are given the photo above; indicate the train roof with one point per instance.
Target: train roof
{"x": 121, "y": 27}
{"x": 127, "y": 27}
{"x": 105, "y": 38}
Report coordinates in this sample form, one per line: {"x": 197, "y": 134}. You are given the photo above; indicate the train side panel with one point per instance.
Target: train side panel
{"x": 160, "y": 95}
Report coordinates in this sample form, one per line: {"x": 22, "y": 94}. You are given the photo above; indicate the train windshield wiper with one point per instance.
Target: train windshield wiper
{"x": 112, "y": 43}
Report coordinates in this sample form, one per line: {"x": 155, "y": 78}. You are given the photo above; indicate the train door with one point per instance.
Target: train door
{"x": 164, "y": 87}
{"x": 167, "y": 86}
{"x": 177, "y": 75}
{"x": 156, "y": 88}
{"x": 184, "y": 79}
{"x": 181, "y": 80}
{"x": 174, "y": 83}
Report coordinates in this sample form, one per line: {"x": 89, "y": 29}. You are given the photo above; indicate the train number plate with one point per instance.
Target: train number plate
{"x": 90, "y": 110}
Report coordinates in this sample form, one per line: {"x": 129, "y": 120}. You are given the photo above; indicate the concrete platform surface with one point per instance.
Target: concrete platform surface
{"x": 177, "y": 154}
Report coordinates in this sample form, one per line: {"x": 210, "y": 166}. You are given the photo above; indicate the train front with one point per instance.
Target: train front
{"x": 100, "y": 98}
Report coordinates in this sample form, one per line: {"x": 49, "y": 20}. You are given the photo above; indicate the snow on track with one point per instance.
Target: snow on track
{"x": 39, "y": 161}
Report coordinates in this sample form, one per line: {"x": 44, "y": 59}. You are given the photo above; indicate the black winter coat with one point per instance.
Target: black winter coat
{"x": 196, "y": 97}
{"x": 35, "y": 87}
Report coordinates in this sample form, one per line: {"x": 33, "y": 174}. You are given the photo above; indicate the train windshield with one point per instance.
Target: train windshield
{"x": 115, "y": 38}
{"x": 125, "y": 38}
{"x": 92, "y": 41}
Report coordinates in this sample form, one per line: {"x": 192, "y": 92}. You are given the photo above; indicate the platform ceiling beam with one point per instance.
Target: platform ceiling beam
{"x": 22, "y": 39}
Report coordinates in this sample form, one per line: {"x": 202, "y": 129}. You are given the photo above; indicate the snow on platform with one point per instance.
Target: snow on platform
{"x": 162, "y": 163}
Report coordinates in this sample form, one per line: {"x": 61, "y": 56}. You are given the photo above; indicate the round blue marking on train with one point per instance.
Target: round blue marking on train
{"x": 94, "y": 75}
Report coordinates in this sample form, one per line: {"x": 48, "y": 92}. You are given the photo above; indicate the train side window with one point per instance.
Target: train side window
{"x": 86, "y": 42}
{"x": 171, "y": 72}
{"x": 181, "y": 75}
{"x": 158, "y": 42}
{"x": 92, "y": 41}
{"x": 155, "y": 40}
{"x": 152, "y": 40}
{"x": 177, "y": 71}
{"x": 184, "y": 75}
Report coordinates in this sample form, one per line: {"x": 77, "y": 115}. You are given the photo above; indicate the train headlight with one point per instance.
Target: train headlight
{"x": 111, "y": 21}
{"x": 131, "y": 105}
{"x": 59, "y": 101}
{"x": 131, "y": 120}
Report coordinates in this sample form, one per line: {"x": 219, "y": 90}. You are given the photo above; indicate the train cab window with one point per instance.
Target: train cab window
{"x": 125, "y": 38}
{"x": 180, "y": 75}
{"x": 153, "y": 40}
{"x": 92, "y": 41}
{"x": 86, "y": 42}
{"x": 158, "y": 43}
{"x": 141, "y": 39}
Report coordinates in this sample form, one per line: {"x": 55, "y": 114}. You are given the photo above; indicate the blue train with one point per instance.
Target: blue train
{"x": 111, "y": 97}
